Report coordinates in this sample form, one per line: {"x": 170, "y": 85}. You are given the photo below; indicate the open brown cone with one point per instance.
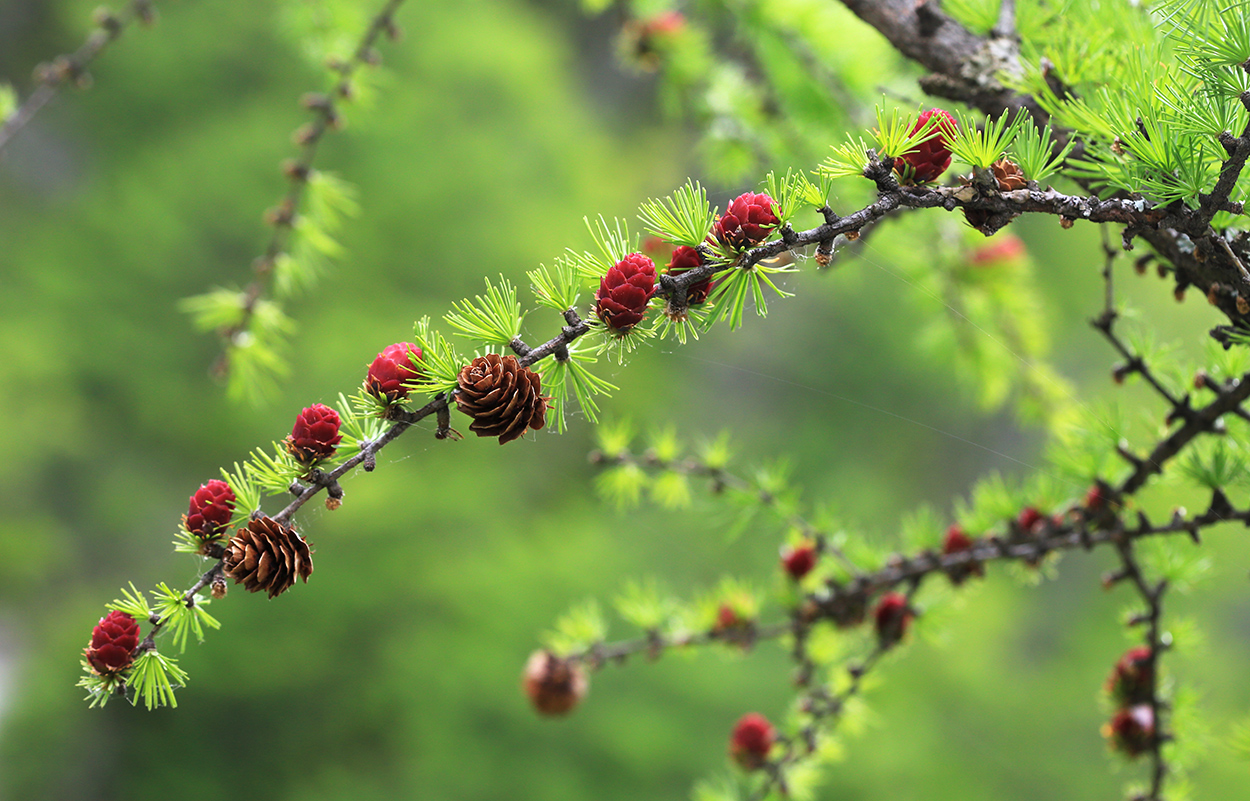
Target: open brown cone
{"x": 267, "y": 556}
{"x": 503, "y": 398}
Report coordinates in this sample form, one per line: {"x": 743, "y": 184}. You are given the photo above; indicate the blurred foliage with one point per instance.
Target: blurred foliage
{"x": 498, "y": 127}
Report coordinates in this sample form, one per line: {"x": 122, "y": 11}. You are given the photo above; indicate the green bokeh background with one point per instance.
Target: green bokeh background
{"x": 394, "y": 673}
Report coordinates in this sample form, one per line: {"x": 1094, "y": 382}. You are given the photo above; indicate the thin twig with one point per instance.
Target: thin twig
{"x": 1152, "y": 595}
{"x": 283, "y": 218}
{"x": 73, "y": 66}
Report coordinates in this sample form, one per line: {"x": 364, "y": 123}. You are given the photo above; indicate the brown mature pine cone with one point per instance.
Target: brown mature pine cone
{"x": 267, "y": 556}
{"x": 502, "y": 397}
{"x": 1009, "y": 175}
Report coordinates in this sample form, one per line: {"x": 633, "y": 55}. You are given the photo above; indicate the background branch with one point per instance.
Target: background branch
{"x": 72, "y": 67}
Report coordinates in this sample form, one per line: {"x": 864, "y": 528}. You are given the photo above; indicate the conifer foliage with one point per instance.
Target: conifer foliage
{"x": 1145, "y": 135}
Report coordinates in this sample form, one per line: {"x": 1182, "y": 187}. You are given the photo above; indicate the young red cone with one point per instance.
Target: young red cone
{"x": 210, "y": 510}
{"x": 1132, "y": 730}
{"x": 751, "y": 740}
{"x": 113, "y": 642}
{"x": 554, "y": 685}
{"x": 956, "y": 541}
{"x": 624, "y": 292}
{"x": 798, "y": 560}
{"x": 748, "y": 221}
{"x": 891, "y": 618}
{"x": 931, "y": 157}
{"x": 683, "y": 260}
{"x": 315, "y": 434}
{"x": 391, "y": 370}
{"x": 1132, "y": 679}
{"x": 1029, "y": 520}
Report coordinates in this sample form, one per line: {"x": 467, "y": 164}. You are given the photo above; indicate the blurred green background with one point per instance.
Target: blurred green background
{"x": 395, "y": 672}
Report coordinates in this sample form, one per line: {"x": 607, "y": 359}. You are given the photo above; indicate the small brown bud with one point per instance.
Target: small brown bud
{"x": 1119, "y": 373}
{"x": 1200, "y": 379}
{"x": 1161, "y": 270}
{"x": 316, "y": 101}
{"x": 64, "y": 69}
{"x": 851, "y": 236}
{"x": 1213, "y": 295}
{"x": 1066, "y": 222}
{"x": 1117, "y": 147}
{"x": 281, "y": 215}
{"x": 145, "y": 11}
{"x": 104, "y": 18}
{"x": 296, "y": 171}
{"x": 1243, "y": 305}
{"x": 219, "y": 587}
{"x": 1140, "y": 265}
{"x": 823, "y": 259}
{"x": 1179, "y": 294}
{"x": 305, "y": 134}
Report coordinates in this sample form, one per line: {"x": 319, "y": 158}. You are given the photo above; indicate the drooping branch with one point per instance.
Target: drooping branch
{"x": 1152, "y": 596}
{"x": 1081, "y": 530}
{"x": 1229, "y": 398}
{"x": 72, "y": 67}
{"x": 892, "y": 197}
{"x": 326, "y": 117}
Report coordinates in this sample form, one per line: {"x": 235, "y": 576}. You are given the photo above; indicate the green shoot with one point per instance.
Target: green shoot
{"x": 685, "y": 326}
{"x": 642, "y": 605}
{"x": 215, "y": 310}
{"x": 578, "y": 630}
{"x": 180, "y": 619}
{"x": 492, "y": 320}
{"x": 684, "y": 218}
{"x": 360, "y": 422}
{"x": 154, "y": 678}
{"x": 440, "y": 364}
{"x": 849, "y": 159}
{"x": 735, "y": 285}
{"x": 559, "y": 377}
{"x": 612, "y": 244}
{"x": 792, "y": 193}
{"x": 246, "y": 494}
{"x": 133, "y": 603}
{"x": 981, "y": 148}
{"x": 1033, "y": 150}
{"x": 275, "y": 472}
{"x": 895, "y": 136}
{"x": 557, "y": 288}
